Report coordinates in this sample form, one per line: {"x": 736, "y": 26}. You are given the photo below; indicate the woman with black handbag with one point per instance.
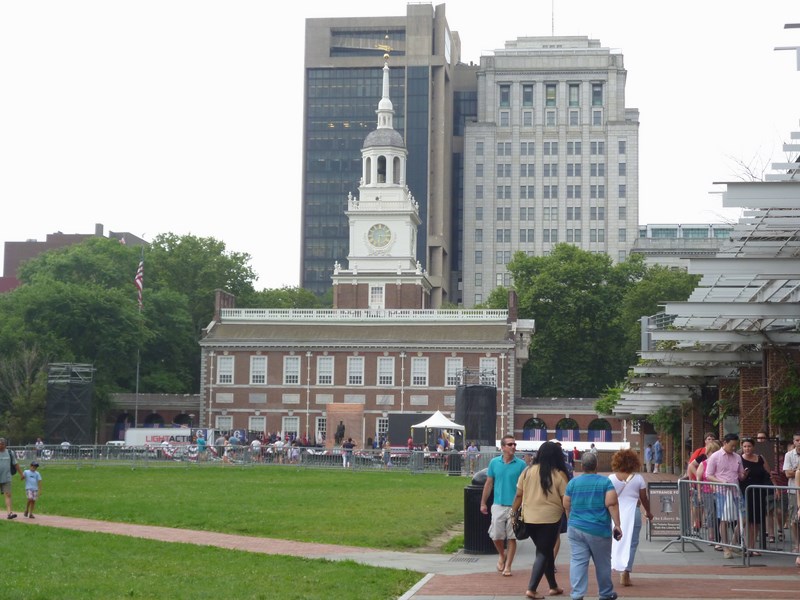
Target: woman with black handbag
{"x": 540, "y": 491}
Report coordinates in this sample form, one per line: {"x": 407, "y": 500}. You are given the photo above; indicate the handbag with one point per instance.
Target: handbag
{"x": 517, "y": 524}
{"x": 11, "y": 463}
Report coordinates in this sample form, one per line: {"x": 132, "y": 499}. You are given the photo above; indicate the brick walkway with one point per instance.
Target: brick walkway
{"x": 658, "y": 574}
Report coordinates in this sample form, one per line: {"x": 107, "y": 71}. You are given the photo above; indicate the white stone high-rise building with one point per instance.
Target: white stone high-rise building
{"x": 553, "y": 157}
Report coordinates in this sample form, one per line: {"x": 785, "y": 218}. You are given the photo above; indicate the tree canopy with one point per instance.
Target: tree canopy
{"x": 585, "y": 309}
{"x": 79, "y": 304}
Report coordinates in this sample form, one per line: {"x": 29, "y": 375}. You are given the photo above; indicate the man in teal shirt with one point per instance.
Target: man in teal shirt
{"x": 502, "y": 476}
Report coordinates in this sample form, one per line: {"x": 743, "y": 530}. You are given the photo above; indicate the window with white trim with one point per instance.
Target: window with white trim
{"x": 291, "y": 370}
{"x": 382, "y": 427}
{"x": 224, "y": 422}
{"x": 453, "y": 367}
{"x": 291, "y": 426}
{"x": 224, "y": 370}
{"x": 355, "y": 370}
{"x": 385, "y": 370}
{"x": 324, "y": 370}
{"x": 257, "y": 424}
{"x": 321, "y": 428}
{"x": 258, "y": 370}
{"x": 376, "y": 296}
{"x": 488, "y": 371}
{"x": 419, "y": 371}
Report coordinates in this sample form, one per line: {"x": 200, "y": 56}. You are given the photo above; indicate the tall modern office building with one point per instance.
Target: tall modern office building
{"x": 552, "y": 157}
{"x": 343, "y": 76}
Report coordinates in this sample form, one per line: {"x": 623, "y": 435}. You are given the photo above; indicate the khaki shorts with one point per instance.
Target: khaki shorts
{"x": 5, "y": 488}
{"x": 501, "y": 527}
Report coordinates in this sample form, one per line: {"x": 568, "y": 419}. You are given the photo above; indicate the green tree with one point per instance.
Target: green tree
{"x": 196, "y": 267}
{"x": 285, "y": 297}
{"x": 574, "y": 297}
{"x": 22, "y": 394}
{"x": 657, "y": 285}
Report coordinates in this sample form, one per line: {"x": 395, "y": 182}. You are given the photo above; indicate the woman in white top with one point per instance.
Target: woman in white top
{"x": 632, "y": 492}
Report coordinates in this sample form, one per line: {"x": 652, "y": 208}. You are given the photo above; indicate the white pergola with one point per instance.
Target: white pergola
{"x": 748, "y": 298}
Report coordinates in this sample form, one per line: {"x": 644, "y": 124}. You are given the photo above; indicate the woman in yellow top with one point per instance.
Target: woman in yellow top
{"x": 540, "y": 491}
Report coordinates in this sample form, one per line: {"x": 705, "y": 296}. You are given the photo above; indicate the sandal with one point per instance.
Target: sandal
{"x": 530, "y": 594}
{"x": 501, "y": 565}
{"x": 555, "y": 592}
{"x": 771, "y": 539}
{"x": 506, "y": 573}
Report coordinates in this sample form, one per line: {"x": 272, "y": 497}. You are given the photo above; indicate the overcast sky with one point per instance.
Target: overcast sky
{"x": 185, "y": 116}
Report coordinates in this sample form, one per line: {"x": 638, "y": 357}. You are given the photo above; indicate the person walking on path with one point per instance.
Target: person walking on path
{"x": 658, "y": 455}
{"x": 501, "y": 478}
{"x": 540, "y": 493}
{"x": 791, "y": 465}
{"x": 631, "y": 491}
{"x": 648, "y": 458}
{"x": 726, "y": 466}
{"x": 591, "y": 505}
{"x": 8, "y": 461}
{"x": 33, "y": 488}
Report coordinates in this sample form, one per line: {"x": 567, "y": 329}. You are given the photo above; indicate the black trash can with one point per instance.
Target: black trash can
{"x": 476, "y": 524}
{"x": 454, "y": 464}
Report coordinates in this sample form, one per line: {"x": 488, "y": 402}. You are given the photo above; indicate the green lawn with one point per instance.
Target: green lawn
{"x": 393, "y": 510}
{"x": 44, "y": 563}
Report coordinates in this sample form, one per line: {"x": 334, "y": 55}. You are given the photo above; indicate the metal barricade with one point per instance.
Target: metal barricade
{"x": 164, "y": 455}
{"x": 771, "y": 522}
{"x": 763, "y": 519}
{"x": 712, "y": 513}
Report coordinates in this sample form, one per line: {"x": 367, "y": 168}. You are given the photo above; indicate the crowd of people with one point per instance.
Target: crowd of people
{"x": 604, "y": 514}
{"x": 600, "y": 514}
{"x": 752, "y": 507}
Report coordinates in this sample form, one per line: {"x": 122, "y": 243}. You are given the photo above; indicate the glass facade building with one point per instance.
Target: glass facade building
{"x": 343, "y": 62}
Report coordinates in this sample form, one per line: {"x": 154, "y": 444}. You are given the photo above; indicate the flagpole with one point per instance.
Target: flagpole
{"x": 139, "y": 281}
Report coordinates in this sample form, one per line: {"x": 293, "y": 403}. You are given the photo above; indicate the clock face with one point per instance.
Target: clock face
{"x": 379, "y": 235}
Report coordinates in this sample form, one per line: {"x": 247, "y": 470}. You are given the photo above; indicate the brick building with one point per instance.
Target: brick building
{"x": 380, "y": 351}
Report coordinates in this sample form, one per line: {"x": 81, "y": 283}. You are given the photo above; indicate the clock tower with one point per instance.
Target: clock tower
{"x": 382, "y": 268}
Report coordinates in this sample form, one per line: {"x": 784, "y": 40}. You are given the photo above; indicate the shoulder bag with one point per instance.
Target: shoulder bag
{"x": 517, "y": 524}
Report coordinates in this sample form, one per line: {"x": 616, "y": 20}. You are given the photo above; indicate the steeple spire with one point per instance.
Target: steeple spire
{"x": 385, "y": 108}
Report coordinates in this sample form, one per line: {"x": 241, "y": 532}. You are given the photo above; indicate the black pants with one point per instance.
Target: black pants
{"x": 544, "y": 535}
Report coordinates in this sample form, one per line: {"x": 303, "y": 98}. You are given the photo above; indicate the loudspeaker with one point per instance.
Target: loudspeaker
{"x": 476, "y": 410}
{"x": 68, "y": 413}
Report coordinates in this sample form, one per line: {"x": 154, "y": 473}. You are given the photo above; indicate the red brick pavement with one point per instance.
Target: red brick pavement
{"x": 754, "y": 583}
{"x": 203, "y": 538}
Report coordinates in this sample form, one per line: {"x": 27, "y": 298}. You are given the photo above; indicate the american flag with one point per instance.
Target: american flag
{"x": 537, "y": 435}
{"x": 139, "y": 281}
{"x": 567, "y": 435}
{"x": 599, "y": 435}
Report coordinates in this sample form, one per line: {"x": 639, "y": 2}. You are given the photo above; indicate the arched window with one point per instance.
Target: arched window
{"x": 567, "y": 430}
{"x": 182, "y": 419}
{"x": 534, "y": 429}
{"x": 154, "y": 420}
{"x": 599, "y": 431}
{"x": 396, "y": 169}
{"x": 381, "y": 169}
{"x": 368, "y": 171}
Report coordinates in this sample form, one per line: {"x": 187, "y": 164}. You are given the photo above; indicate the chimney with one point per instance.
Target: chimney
{"x": 98, "y": 229}
{"x": 512, "y": 306}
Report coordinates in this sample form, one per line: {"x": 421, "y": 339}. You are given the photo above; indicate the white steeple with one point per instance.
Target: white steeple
{"x": 384, "y": 218}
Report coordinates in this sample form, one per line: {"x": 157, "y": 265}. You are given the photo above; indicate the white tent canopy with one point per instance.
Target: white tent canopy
{"x": 438, "y": 421}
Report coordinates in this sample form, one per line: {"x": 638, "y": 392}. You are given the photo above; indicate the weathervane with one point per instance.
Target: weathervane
{"x": 385, "y": 47}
